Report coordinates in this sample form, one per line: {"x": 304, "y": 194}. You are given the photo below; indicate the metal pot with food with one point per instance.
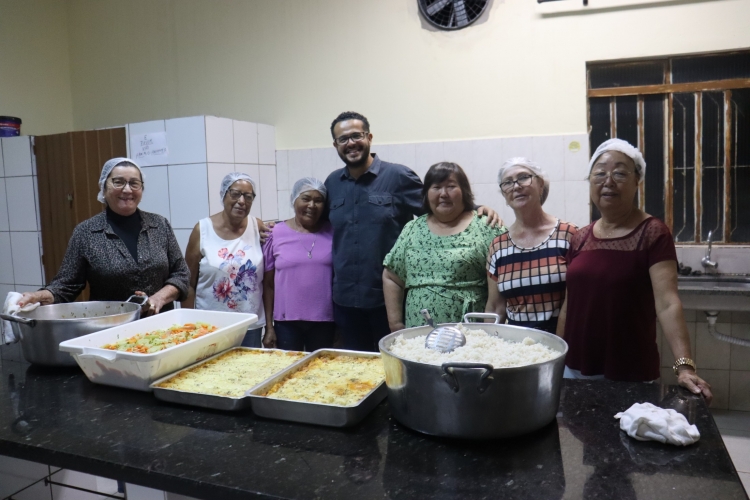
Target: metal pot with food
{"x": 41, "y": 330}
{"x": 505, "y": 381}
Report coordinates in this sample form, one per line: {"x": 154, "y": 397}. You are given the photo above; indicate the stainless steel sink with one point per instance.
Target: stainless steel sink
{"x": 715, "y": 293}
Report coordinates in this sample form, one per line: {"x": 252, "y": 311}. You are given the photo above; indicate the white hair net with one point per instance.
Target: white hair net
{"x": 307, "y": 184}
{"x": 534, "y": 168}
{"x": 233, "y": 177}
{"x": 107, "y": 169}
{"x": 623, "y": 147}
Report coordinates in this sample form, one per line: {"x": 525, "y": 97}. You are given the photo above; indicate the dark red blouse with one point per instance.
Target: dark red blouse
{"x": 610, "y": 324}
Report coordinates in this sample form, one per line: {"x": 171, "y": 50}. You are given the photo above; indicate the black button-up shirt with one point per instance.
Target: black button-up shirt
{"x": 367, "y": 215}
{"x": 97, "y": 256}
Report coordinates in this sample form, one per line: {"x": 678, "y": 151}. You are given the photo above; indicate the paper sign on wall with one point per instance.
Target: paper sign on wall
{"x": 147, "y": 148}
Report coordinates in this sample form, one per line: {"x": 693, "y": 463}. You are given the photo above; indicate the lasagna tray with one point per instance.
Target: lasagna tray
{"x": 331, "y": 387}
{"x": 220, "y": 382}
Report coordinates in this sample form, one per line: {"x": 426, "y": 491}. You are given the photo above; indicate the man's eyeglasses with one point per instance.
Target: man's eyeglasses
{"x": 355, "y": 137}
{"x": 234, "y": 195}
{"x": 600, "y": 176}
{"x": 120, "y": 183}
{"x": 522, "y": 180}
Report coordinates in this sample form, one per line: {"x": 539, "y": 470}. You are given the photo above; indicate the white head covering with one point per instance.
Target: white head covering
{"x": 233, "y": 177}
{"x": 107, "y": 169}
{"x": 520, "y": 161}
{"x": 307, "y": 184}
{"x": 623, "y": 147}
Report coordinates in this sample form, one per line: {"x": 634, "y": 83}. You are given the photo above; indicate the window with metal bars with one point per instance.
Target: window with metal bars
{"x": 690, "y": 116}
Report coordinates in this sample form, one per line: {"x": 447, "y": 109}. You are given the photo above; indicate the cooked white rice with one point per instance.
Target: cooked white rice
{"x": 480, "y": 347}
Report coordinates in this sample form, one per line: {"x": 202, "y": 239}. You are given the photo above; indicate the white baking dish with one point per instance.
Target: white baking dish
{"x": 137, "y": 371}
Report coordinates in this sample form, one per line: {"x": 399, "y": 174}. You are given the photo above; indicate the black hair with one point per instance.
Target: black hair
{"x": 350, "y": 115}
{"x": 440, "y": 172}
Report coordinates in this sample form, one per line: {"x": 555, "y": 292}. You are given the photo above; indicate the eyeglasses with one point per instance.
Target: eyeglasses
{"x": 522, "y": 180}
{"x": 234, "y": 195}
{"x": 600, "y": 176}
{"x": 355, "y": 137}
{"x": 120, "y": 183}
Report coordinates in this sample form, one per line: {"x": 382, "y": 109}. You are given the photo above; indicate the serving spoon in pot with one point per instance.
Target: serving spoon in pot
{"x": 443, "y": 338}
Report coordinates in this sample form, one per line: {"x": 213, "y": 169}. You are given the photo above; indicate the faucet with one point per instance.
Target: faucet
{"x": 706, "y": 261}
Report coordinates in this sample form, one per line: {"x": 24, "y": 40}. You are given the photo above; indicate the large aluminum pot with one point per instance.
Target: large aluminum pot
{"x": 40, "y": 331}
{"x": 474, "y": 400}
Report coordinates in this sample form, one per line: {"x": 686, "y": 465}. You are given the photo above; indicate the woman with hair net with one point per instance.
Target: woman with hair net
{"x": 121, "y": 251}
{"x": 527, "y": 264}
{"x": 622, "y": 276}
{"x": 225, "y": 257}
{"x": 299, "y": 274}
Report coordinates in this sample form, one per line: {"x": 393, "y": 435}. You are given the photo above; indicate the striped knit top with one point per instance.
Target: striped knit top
{"x": 532, "y": 280}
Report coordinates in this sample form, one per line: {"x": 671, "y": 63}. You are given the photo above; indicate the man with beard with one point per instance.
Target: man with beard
{"x": 369, "y": 203}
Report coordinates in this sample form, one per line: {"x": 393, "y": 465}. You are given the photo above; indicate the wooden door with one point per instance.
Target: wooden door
{"x": 68, "y": 168}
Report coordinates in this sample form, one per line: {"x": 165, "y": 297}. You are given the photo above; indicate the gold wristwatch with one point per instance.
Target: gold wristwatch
{"x": 682, "y": 361}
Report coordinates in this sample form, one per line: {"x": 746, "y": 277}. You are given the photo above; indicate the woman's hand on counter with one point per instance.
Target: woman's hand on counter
{"x": 269, "y": 339}
{"x": 688, "y": 379}
{"x": 44, "y": 297}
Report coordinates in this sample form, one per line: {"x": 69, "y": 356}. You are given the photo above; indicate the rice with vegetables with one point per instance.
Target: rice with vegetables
{"x": 480, "y": 347}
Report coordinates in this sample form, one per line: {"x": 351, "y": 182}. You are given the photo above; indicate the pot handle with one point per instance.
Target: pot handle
{"x": 494, "y": 316}
{"x": 453, "y": 371}
{"x": 17, "y": 319}
{"x": 142, "y": 298}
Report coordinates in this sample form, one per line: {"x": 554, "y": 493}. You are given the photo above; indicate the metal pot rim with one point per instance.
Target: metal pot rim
{"x": 393, "y": 335}
{"x": 79, "y": 320}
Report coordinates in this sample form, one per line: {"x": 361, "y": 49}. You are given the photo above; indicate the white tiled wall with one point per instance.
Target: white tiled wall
{"x": 563, "y": 157}
{"x": 20, "y": 254}
{"x": 184, "y": 184}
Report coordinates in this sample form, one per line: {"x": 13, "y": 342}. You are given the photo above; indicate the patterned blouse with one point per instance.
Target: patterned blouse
{"x": 444, "y": 274}
{"x": 98, "y": 256}
{"x": 532, "y": 280}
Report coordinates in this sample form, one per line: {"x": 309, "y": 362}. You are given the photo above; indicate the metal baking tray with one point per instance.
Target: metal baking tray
{"x": 211, "y": 401}
{"x": 315, "y": 413}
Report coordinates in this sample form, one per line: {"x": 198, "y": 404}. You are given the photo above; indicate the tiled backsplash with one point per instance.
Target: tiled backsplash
{"x": 20, "y": 239}
{"x": 563, "y": 157}
{"x": 725, "y": 366}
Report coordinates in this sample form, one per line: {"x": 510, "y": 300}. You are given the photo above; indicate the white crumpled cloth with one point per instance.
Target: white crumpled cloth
{"x": 11, "y": 307}
{"x": 644, "y": 421}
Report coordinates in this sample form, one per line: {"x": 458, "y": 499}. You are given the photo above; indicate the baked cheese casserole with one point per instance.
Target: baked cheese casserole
{"x": 233, "y": 373}
{"x": 335, "y": 380}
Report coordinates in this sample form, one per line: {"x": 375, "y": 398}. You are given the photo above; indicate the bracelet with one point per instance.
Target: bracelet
{"x": 683, "y": 361}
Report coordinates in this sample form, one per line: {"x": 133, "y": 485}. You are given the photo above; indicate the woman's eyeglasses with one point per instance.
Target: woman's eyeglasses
{"x": 522, "y": 180}
{"x": 120, "y": 183}
{"x": 355, "y": 137}
{"x": 600, "y": 176}
{"x": 234, "y": 195}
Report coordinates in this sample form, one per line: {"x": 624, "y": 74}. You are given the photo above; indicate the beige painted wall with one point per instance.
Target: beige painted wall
{"x": 296, "y": 64}
{"x": 35, "y": 65}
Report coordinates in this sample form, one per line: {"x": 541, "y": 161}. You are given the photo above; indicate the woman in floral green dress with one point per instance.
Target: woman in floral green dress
{"x": 439, "y": 259}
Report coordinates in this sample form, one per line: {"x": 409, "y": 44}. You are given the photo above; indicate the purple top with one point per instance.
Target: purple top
{"x": 303, "y": 264}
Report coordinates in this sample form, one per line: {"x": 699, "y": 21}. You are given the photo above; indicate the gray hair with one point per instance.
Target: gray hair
{"x": 109, "y": 165}
{"x": 534, "y": 168}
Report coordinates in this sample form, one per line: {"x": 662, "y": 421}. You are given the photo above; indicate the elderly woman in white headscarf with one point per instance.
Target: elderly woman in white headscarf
{"x": 225, "y": 257}
{"x": 121, "y": 251}
{"x": 622, "y": 277}
{"x": 299, "y": 274}
{"x": 527, "y": 264}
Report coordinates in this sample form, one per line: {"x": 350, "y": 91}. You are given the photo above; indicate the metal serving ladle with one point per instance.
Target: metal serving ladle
{"x": 443, "y": 338}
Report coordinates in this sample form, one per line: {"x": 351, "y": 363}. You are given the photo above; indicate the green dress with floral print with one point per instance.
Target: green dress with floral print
{"x": 445, "y": 274}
